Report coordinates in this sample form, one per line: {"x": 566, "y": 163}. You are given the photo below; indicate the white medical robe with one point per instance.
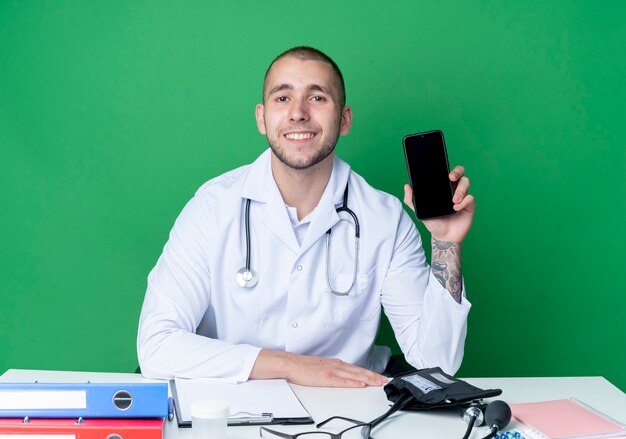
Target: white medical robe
{"x": 196, "y": 321}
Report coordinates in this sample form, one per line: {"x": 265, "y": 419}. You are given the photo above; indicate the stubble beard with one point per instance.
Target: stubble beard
{"x": 324, "y": 151}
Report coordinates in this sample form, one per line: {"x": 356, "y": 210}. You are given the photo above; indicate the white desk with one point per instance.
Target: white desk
{"x": 366, "y": 404}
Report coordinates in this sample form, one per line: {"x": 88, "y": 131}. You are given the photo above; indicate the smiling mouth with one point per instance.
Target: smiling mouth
{"x": 299, "y": 136}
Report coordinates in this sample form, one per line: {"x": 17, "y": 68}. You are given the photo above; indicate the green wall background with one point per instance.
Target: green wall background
{"x": 113, "y": 113}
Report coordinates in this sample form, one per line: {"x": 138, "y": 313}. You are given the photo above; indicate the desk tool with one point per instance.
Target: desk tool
{"x": 255, "y": 402}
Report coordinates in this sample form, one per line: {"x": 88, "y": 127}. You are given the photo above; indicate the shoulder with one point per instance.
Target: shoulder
{"x": 248, "y": 181}
{"x": 229, "y": 181}
{"x": 217, "y": 195}
{"x": 385, "y": 225}
{"x": 371, "y": 198}
{"x": 223, "y": 190}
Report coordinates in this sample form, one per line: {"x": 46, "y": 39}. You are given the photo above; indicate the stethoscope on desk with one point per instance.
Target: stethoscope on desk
{"x": 247, "y": 277}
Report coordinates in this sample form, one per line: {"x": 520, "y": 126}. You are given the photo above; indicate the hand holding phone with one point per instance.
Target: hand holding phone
{"x": 440, "y": 198}
{"x": 427, "y": 163}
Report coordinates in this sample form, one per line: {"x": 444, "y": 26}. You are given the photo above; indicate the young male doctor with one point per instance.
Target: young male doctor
{"x": 251, "y": 286}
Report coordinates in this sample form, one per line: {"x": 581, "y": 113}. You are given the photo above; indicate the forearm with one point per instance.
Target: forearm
{"x": 272, "y": 364}
{"x": 446, "y": 266}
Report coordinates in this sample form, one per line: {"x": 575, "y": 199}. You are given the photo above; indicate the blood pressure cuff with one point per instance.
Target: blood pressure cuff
{"x": 433, "y": 388}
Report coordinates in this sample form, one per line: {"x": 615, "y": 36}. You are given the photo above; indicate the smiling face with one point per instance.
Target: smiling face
{"x": 302, "y": 115}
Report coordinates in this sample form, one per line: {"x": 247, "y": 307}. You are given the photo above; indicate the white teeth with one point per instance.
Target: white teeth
{"x": 299, "y": 136}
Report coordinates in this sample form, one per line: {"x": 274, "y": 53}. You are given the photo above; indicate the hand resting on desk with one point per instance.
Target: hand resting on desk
{"x": 312, "y": 371}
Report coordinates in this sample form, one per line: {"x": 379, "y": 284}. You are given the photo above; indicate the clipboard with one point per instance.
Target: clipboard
{"x": 255, "y": 402}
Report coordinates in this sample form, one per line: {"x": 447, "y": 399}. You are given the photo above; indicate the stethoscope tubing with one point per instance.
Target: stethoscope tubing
{"x": 247, "y": 221}
{"x": 247, "y": 278}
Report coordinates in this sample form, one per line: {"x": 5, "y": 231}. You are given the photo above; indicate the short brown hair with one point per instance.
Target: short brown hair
{"x": 307, "y": 53}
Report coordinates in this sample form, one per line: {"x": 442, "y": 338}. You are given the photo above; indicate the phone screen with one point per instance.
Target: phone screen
{"x": 427, "y": 163}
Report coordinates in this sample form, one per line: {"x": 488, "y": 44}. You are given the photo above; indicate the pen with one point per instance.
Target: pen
{"x": 170, "y": 408}
{"x": 247, "y": 418}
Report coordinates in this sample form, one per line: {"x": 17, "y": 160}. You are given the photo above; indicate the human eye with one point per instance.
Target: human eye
{"x": 318, "y": 98}
{"x": 281, "y": 99}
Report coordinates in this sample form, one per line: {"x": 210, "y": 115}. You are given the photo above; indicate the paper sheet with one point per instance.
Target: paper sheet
{"x": 566, "y": 418}
{"x": 252, "y": 397}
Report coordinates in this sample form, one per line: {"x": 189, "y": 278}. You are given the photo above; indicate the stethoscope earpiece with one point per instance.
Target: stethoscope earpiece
{"x": 247, "y": 278}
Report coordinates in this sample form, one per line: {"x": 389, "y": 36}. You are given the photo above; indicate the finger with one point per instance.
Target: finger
{"x": 374, "y": 379}
{"x": 457, "y": 173}
{"x": 408, "y": 197}
{"x": 462, "y": 190}
{"x": 341, "y": 379}
{"x": 468, "y": 203}
{"x": 344, "y": 382}
{"x": 360, "y": 374}
{"x": 351, "y": 370}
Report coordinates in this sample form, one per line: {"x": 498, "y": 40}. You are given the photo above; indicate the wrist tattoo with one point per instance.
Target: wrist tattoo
{"x": 440, "y": 271}
{"x": 446, "y": 266}
{"x": 446, "y": 247}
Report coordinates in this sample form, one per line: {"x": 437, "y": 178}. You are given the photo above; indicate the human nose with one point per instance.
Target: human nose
{"x": 298, "y": 110}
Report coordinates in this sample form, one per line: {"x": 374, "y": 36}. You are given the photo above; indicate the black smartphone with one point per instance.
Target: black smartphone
{"x": 427, "y": 163}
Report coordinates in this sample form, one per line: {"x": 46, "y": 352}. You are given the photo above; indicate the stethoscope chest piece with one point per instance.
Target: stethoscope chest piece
{"x": 246, "y": 278}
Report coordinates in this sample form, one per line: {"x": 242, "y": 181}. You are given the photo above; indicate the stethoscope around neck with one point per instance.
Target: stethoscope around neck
{"x": 248, "y": 278}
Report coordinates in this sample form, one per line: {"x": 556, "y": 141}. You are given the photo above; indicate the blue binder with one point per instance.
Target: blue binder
{"x": 86, "y": 400}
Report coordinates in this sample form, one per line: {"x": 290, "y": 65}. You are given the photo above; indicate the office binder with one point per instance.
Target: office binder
{"x": 86, "y": 400}
{"x": 83, "y": 429}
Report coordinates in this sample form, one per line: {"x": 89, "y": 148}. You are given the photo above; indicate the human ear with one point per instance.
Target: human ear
{"x": 260, "y": 118}
{"x": 346, "y": 120}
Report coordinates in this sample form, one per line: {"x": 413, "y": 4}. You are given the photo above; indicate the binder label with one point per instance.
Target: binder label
{"x": 35, "y": 400}
{"x": 37, "y": 436}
